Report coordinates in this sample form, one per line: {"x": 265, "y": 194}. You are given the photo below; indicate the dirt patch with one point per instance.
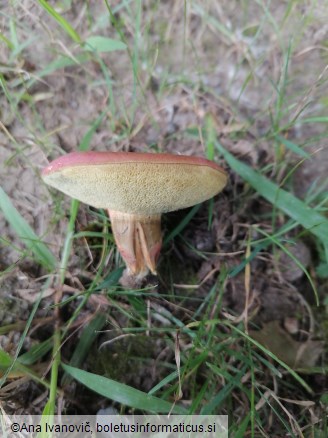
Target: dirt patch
{"x": 255, "y": 78}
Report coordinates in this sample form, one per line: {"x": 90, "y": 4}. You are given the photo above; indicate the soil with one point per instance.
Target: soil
{"x": 178, "y": 93}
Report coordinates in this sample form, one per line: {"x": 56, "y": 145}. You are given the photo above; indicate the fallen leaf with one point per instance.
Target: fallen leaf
{"x": 295, "y": 354}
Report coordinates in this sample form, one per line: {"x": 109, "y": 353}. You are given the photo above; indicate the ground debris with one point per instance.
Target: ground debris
{"x": 281, "y": 343}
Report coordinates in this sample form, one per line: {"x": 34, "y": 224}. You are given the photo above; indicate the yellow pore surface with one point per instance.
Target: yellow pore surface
{"x": 144, "y": 188}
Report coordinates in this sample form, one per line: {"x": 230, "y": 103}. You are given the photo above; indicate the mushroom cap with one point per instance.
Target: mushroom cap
{"x": 136, "y": 183}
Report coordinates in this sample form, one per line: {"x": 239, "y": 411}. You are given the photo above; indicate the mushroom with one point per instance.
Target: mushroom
{"x": 136, "y": 188}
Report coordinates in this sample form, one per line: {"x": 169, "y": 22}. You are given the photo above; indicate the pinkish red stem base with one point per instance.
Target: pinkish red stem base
{"x": 139, "y": 240}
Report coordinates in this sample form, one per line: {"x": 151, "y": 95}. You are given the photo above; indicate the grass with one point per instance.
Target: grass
{"x": 192, "y": 78}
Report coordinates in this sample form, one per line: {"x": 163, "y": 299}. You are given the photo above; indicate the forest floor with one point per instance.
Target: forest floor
{"x": 236, "y": 321}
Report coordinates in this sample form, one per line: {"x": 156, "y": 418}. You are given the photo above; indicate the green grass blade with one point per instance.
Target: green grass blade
{"x": 19, "y": 48}
{"x": 295, "y": 260}
{"x": 292, "y": 146}
{"x": 85, "y": 142}
{"x": 111, "y": 280}
{"x": 173, "y": 376}
{"x": 14, "y": 360}
{"x": 36, "y": 352}
{"x": 241, "y": 431}
{"x": 272, "y": 356}
{"x": 319, "y": 119}
{"x": 55, "y": 362}
{"x": 69, "y": 240}
{"x": 61, "y": 21}
{"x": 87, "y": 338}
{"x": 26, "y": 234}
{"x": 9, "y": 363}
{"x": 121, "y": 393}
{"x": 210, "y": 131}
{"x": 285, "y": 201}
{"x": 177, "y": 230}
{"x": 168, "y": 379}
{"x": 236, "y": 270}
{"x": 103, "y": 44}
{"x": 9, "y": 44}
{"x": 57, "y": 64}
{"x": 212, "y": 406}
{"x": 62, "y": 62}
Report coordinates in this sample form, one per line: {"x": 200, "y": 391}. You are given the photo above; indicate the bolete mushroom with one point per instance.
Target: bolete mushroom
{"x": 136, "y": 188}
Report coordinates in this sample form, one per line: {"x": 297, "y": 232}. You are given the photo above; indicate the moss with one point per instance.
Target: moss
{"x": 125, "y": 358}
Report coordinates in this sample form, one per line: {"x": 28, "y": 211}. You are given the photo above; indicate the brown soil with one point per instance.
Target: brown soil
{"x": 180, "y": 87}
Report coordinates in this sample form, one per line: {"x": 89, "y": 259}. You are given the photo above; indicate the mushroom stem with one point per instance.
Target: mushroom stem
{"x": 139, "y": 240}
